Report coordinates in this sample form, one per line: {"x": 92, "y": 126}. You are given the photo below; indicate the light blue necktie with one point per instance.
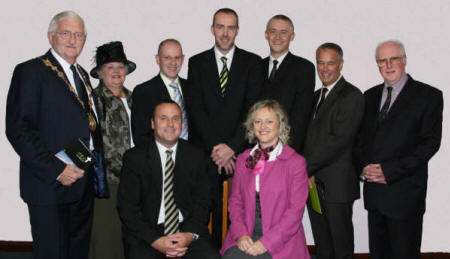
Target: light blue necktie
{"x": 179, "y": 100}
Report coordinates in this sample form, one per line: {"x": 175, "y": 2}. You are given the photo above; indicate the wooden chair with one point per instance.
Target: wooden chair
{"x": 224, "y": 211}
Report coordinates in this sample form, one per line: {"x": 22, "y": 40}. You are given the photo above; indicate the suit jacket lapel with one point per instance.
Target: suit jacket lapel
{"x": 283, "y": 68}
{"x": 154, "y": 167}
{"x": 235, "y": 70}
{"x": 163, "y": 92}
{"x": 331, "y": 98}
{"x": 402, "y": 100}
{"x": 212, "y": 73}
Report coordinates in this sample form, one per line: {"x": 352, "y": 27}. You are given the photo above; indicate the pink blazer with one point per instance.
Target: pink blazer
{"x": 283, "y": 194}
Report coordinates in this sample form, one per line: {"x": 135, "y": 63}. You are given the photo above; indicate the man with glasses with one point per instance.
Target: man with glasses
{"x": 50, "y": 105}
{"x": 167, "y": 85}
{"x": 400, "y": 132}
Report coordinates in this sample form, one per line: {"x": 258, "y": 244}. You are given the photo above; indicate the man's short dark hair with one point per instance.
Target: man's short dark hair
{"x": 332, "y": 46}
{"x": 281, "y": 17}
{"x": 226, "y": 11}
{"x": 162, "y": 102}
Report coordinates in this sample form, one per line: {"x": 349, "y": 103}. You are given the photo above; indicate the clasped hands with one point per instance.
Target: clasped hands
{"x": 246, "y": 245}
{"x": 173, "y": 246}
{"x": 374, "y": 174}
{"x": 223, "y": 156}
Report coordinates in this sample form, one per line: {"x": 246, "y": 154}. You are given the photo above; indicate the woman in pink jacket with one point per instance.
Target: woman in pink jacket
{"x": 270, "y": 188}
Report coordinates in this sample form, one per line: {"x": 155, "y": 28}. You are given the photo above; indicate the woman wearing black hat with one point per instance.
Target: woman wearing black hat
{"x": 111, "y": 68}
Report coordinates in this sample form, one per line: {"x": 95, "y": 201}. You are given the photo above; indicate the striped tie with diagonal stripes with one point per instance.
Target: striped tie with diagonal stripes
{"x": 223, "y": 79}
{"x": 171, "y": 221}
{"x": 179, "y": 100}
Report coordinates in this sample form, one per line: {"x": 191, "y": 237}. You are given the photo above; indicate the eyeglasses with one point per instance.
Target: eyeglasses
{"x": 393, "y": 61}
{"x": 68, "y": 35}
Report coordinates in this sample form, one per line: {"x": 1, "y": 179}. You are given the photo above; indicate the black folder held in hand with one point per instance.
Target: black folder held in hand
{"x": 77, "y": 154}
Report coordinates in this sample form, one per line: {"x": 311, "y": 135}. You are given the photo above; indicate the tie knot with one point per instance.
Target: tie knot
{"x": 275, "y": 62}
{"x": 389, "y": 88}
{"x": 224, "y": 60}
{"x": 174, "y": 85}
{"x": 169, "y": 152}
{"x": 324, "y": 90}
{"x": 72, "y": 67}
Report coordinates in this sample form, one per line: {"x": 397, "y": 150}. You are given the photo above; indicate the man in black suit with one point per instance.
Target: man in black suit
{"x": 338, "y": 110}
{"x": 50, "y": 105}
{"x": 163, "y": 197}
{"x": 400, "y": 131}
{"x": 167, "y": 85}
{"x": 223, "y": 85}
{"x": 289, "y": 79}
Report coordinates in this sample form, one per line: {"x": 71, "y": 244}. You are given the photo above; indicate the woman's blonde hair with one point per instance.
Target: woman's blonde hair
{"x": 281, "y": 115}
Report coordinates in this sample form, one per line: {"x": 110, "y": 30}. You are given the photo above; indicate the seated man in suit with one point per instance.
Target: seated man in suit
{"x": 167, "y": 85}
{"x": 287, "y": 78}
{"x": 401, "y": 130}
{"x": 163, "y": 197}
{"x": 222, "y": 87}
{"x": 50, "y": 105}
{"x": 338, "y": 110}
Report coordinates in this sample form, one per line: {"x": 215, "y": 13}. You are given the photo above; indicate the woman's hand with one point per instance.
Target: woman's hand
{"x": 244, "y": 243}
{"x": 256, "y": 249}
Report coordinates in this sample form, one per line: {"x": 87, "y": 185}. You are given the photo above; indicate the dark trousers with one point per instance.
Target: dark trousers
{"x": 333, "y": 230}
{"x": 201, "y": 248}
{"x": 217, "y": 203}
{"x": 391, "y": 238}
{"x": 62, "y": 231}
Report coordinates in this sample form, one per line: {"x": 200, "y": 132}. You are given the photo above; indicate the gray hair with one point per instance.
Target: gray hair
{"x": 281, "y": 17}
{"x": 283, "y": 120}
{"x": 62, "y": 16}
{"x": 398, "y": 43}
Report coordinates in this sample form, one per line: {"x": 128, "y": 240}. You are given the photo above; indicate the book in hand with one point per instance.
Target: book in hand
{"x": 77, "y": 154}
{"x": 314, "y": 198}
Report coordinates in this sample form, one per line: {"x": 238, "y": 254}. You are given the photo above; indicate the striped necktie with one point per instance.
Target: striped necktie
{"x": 223, "y": 76}
{"x": 171, "y": 220}
{"x": 179, "y": 100}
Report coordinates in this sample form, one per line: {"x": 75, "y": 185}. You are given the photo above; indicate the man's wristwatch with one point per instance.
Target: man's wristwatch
{"x": 194, "y": 236}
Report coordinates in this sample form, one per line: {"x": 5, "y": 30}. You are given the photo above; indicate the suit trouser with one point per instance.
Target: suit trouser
{"x": 62, "y": 231}
{"x": 391, "y": 238}
{"x": 203, "y": 248}
{"x": 332, "y": 230}
{"x": 217, "y": 204}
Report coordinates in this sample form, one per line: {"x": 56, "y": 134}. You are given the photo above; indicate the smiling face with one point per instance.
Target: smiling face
{"x": 166, "y": 124}
{"x": 329, "y": 66}
{"x": 391, "y": 62}
{"x": 113, "y": 74}
{"x": 266, "y": 126}
{"x": 225, "y": 30}
{"x": 170, "y": 59}
{"x": 68, "y": 48}
{"x": 279, "y": 34}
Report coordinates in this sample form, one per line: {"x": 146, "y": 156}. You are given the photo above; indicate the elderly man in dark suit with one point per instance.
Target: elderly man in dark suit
{"x": 338, "y": 110}
{"x": 50, "y": 105}
{"x": 167, "y": 85}
{"x": 400, "y": 131}
{"x": 163, "y": 197}
{"x": 287, "y": 78}
{"x": 222, "y": 87}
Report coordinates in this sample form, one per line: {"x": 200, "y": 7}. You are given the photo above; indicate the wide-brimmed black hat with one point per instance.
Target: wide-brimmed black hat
{"x": 111, "y": 52}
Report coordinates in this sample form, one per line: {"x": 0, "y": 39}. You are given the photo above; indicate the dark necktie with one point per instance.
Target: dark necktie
{"x": 321, "y": 100}
{"x": 274, "y": 70}
{"x": 81, "y": 90}
{"x": 385, "y": 109}
{"x": 171, "y": 220}
{"x": 223, "y": 76}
